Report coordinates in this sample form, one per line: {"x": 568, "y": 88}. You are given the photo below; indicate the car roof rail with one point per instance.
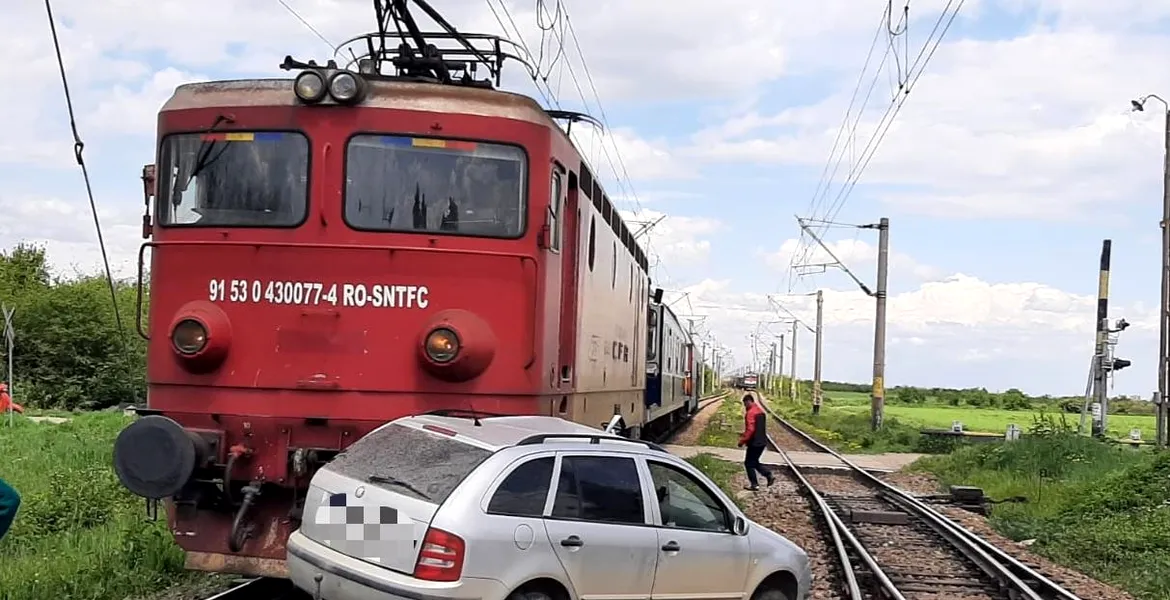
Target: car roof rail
{"x": 540, "y": 438}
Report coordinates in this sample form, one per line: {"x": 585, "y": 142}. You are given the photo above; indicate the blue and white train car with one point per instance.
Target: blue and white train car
{"x": 671, "y": 393}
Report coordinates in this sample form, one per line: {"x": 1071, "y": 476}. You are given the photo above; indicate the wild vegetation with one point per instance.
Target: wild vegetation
{"x": 70, "y": 353}
{"x": 1095, "y": 507}
{"x": 78, "y": 533}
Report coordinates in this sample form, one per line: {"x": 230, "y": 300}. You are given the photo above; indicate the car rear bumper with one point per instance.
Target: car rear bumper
{"x": 330, "y": 575}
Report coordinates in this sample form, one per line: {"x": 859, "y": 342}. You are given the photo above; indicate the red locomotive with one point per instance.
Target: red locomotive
{"x": 335, "y": 251}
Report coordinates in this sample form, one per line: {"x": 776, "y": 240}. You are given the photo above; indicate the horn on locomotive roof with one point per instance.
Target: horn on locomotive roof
{"x": 400, "y": 50}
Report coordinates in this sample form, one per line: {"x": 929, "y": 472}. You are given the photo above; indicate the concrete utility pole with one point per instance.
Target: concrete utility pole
{"x": 817, "y": 363}
{"x": 780, "y": 365}
{"x": 772, "y": 367}
{"x": 878, "y": 395}
{"x": 1164, "y": 310}
{"x": 1159, "y": 421}
{"x": 1100, "y": 349}
{"x": 878, "y": 399}
{"x": 702, "y": 358}
{"x": 792, "y": 382}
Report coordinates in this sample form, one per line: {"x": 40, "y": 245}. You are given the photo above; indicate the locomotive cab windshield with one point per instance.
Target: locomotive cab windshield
{"x": 236, "y": 179}
{"x": 410, "y": 184}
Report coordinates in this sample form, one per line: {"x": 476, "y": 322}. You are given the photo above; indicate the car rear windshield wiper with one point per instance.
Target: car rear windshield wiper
{"x": 395, "y": 481}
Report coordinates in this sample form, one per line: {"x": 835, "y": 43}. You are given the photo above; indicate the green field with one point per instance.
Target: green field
{"x": 986, "y": 420}
{"x": 78, "y": 533}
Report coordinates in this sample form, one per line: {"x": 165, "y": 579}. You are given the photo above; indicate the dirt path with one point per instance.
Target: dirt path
{"x": 690, "y": 433}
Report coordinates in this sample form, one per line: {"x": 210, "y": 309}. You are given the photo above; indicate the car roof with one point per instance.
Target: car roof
{"x": 495, "y": 433}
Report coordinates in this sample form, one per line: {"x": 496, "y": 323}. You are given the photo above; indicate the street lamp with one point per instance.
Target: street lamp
{"x": 1164, "y": 308}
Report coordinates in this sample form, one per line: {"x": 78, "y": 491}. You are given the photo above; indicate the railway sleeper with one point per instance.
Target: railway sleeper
{"x": 879, "y": 517}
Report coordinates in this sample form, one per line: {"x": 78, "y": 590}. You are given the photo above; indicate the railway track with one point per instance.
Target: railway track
{"x": 891, "y": 545}
{"x": 264, "y": 588}
{"x": 669, "y": 434}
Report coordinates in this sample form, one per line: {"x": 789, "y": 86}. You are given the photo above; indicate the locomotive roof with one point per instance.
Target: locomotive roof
{"x": 382, "y": 94}
{"x": 402, "y": 95}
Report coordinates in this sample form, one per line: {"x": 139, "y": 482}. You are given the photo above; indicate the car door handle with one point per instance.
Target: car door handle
{"x": 671, "y": 546}
{"x": 572, "y": 542}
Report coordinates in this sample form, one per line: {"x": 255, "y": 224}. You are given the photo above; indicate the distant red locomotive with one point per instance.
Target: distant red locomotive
{"x": 335, "y": 251}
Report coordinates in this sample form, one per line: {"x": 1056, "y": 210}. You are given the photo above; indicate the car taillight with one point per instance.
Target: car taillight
{"x": 441, "y": 556}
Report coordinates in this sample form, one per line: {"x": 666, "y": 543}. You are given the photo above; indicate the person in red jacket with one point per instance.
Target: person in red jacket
{"x": 6, "y": 400}
{"x": 755, "y": 437}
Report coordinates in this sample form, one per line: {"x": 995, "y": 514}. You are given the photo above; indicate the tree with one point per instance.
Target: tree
{"x": 69, "y": 351}
{"x": 909, "y": 395}
{"x": 1014, "y": 399}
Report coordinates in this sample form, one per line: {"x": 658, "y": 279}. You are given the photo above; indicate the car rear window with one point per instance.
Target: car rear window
{"x": 410, "y": 461}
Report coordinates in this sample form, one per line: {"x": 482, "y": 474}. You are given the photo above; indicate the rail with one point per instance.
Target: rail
{"x": 1018, "y": 580}
{"x": 264, "y": 588}
{"x": 669, "y": 434}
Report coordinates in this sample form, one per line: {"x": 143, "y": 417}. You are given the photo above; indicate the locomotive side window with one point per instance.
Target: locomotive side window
{"x": 233, "y": 179}
{"x": 420, "y": 185}
{"x": 592, "y": 241}
{"x": 554, "y": 209}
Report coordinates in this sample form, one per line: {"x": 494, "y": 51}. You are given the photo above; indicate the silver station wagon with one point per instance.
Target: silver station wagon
{"x": 444, "y": 507}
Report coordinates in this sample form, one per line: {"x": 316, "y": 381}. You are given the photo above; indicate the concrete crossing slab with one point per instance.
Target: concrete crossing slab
{"x": 814, "y": 460}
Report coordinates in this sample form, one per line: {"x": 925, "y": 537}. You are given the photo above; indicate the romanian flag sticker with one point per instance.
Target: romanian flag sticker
{"x": 237, "y": 136}
{"x": 414, "y": 142}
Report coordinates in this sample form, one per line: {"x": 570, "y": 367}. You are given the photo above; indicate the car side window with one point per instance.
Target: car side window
{"x": 524, "y": 491}
{"x": 603, "y": 489}
{"x": 685, "y": 503}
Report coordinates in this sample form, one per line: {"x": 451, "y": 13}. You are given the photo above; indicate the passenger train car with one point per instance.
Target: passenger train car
{"x": 670, "y": 368}
{"x": 333, "y": 251}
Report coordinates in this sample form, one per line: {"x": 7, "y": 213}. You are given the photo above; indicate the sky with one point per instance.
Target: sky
{"x": 1012, "y": 153}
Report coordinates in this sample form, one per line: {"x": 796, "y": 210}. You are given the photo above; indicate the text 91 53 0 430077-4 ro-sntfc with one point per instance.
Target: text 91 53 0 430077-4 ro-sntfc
{"x": 316, "y": 293}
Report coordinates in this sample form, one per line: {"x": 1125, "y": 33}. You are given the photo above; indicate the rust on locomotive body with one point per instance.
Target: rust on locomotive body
{"x": 319, "y": 268}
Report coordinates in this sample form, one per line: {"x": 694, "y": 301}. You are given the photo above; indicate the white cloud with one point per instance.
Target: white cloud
{"x": 673, "y": 239}
{"x": 66, "y": 230}
{"x": 933, "y": 329}
{"x": 858, "y": 255}
{"x": 1032, "y": 127}
{"x": 619, "y": 154}
{"x": 134, "y": 110}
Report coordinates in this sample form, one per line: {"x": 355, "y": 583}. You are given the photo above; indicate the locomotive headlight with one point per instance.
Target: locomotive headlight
{"x": 189, "y": 337}
{"x": 309, "y": 86}
{"x": 345, "y": 87}
{"x": 442, "y": 345}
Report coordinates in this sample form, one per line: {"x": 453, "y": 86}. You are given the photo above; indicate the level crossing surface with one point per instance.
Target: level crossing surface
{"x": 871, "y": 462}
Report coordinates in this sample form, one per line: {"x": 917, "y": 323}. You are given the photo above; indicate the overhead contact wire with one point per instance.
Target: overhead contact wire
{"x": 78, "y": 148}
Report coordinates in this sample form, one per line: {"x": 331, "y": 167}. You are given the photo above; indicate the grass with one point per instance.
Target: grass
{"x": 850, "y": 432}
{"x": 78, "y": 533}
{"x": 720, "y": 472}
{"x": 1096, "y": 508}
{"x": 983, "y": 420}
{"x": 724, "y": 427}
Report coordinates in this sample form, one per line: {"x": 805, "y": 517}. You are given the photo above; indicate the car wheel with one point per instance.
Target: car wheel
{"x": 770, "y": 594}
{"x": 530, "y": 595}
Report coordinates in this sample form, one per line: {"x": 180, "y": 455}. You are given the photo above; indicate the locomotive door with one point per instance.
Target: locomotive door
{"x": 570, "y": 251}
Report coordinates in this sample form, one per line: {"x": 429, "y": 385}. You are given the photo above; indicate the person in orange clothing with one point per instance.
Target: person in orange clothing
{"x": 755, "y": 437}
{"x": 6, "y": 400}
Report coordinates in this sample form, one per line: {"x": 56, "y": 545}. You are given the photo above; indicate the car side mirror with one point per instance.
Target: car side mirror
{"x": 740, "y": 526}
